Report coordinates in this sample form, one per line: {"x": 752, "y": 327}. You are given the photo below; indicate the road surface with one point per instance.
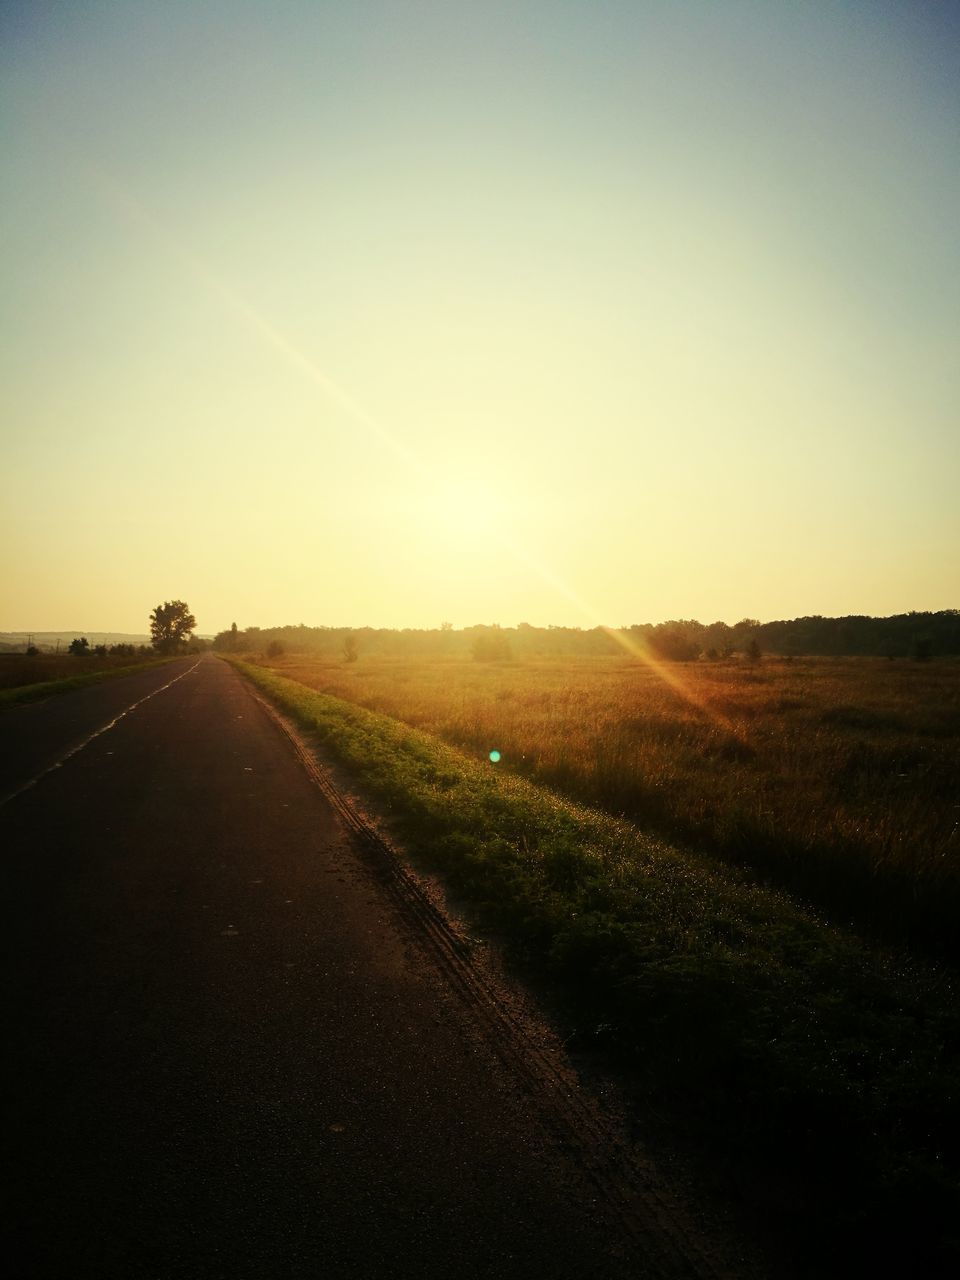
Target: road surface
{"x": 232, "y": 1052}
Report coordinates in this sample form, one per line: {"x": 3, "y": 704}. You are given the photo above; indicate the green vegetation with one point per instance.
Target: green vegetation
{"x": 19, "y": 682}
{"x": 834, "y": 778}
{"x": 787, "y": 1047}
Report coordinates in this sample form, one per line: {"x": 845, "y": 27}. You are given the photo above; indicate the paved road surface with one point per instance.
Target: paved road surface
{"x": 232, "y": 1055}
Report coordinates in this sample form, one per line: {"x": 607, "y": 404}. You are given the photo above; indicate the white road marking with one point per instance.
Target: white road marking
{"x": 11, "y": 795}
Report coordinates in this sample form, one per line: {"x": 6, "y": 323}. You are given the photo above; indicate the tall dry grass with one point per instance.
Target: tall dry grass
{"x": 18, "y": 669}
{"x": 837, "y": 778}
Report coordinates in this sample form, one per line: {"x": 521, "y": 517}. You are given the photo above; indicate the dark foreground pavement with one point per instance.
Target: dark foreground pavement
{"x": 230, "y": 1054}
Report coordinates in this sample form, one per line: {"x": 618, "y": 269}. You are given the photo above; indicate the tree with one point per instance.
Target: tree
{"x": 921, "y": 649}
{"x": 80, "y": 647}
{"x": 491, "y": 645}
{"x": 351, "y": 648}
{"x": 170, "y": 626}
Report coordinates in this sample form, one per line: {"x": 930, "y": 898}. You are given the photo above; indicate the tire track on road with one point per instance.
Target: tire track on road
{"x": 651, "y": 1220}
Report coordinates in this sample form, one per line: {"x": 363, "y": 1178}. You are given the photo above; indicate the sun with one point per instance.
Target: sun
{"x": 466, "y": 509}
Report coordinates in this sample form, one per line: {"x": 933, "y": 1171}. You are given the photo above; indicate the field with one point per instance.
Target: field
{"x": 816, "y": 1065}
{"x": 17, "y": 669}
{"x": 24, "y": 679}
{"x": 835, "y": 778}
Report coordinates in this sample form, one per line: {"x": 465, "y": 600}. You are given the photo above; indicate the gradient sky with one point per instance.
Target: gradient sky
{"x": 395, "y": 313}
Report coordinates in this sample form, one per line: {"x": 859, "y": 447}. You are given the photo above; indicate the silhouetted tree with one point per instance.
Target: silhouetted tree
{"x": 921, "y": 650}
{"x": 80, "y": 647}
{"x": 675, "y": 643}
{"x": 351, "y": 648}
{"x": 170, "y": 626}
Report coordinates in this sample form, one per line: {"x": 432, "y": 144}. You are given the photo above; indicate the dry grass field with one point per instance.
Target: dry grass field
{"x": 836, "y": 778}
{"x": 29, "y": 678}
{"x": 820, "y": 1063}
{"x": 17, "y": 669}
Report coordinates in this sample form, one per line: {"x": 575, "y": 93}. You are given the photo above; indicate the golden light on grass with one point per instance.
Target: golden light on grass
{"x": 675, "y": 678}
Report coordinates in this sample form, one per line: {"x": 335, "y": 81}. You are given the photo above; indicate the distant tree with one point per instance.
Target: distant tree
{"x": 674, "y": 642}
{"x": 753, "y": 652}
{"x": 274, "y": 649}
{"x": 32, "y": 651}
{"x": 491, "y": 645}
{"x": 351, "y": 648}
{"x": 80, "y": 647}
{"x": 100, "y": 650}
{"x": 921, "y": 650}
{"x": 170, "y": 626}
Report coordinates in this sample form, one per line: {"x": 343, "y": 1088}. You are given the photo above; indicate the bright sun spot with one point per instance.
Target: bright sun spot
{"x": 466, "y": 510}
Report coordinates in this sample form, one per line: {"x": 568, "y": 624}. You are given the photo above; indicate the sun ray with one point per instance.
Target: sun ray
{"x": 120, "y": 195}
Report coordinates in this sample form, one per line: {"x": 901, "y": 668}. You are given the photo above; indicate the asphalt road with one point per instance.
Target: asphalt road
{"x": 230, "y": 1054}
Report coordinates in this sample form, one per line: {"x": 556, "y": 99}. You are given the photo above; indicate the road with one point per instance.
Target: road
{"x": 233, "y": 1053}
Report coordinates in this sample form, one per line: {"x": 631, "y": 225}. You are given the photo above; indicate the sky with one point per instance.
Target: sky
{"x": 396, "y": 313}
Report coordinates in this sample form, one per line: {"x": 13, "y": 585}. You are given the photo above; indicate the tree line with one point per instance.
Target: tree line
{"x": 907, "y": 635}
{"x": 171, "y": 631}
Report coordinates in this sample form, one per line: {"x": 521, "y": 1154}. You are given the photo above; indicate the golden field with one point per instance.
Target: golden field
{"x": 836, "y": 778}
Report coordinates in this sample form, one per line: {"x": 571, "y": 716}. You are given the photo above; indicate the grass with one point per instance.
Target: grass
{"x": 54, "y": 683}
{"x": 784, "y": 1045}
{"x": 834, "y": 778}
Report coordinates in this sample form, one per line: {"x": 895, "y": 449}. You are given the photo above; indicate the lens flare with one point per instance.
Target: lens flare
{"x": 481, "y": 511}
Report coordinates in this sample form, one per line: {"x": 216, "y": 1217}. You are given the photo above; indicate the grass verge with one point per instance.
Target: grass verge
{"x": 51, "y": 688}
{"x": 835, "y": 780}
{"x": 823, "y": 1070}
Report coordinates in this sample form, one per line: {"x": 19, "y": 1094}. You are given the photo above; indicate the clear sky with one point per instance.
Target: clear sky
{"x": 392, "y": 313}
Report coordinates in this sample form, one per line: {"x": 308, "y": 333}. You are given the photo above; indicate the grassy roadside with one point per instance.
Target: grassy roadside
{"x": 825, "y": 1069}
{"x": 50, "y": 688}
{"x": 835, "y": 780}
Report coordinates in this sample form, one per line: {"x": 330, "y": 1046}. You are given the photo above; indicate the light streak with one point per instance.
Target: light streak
{"x": 299, "y": 360}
